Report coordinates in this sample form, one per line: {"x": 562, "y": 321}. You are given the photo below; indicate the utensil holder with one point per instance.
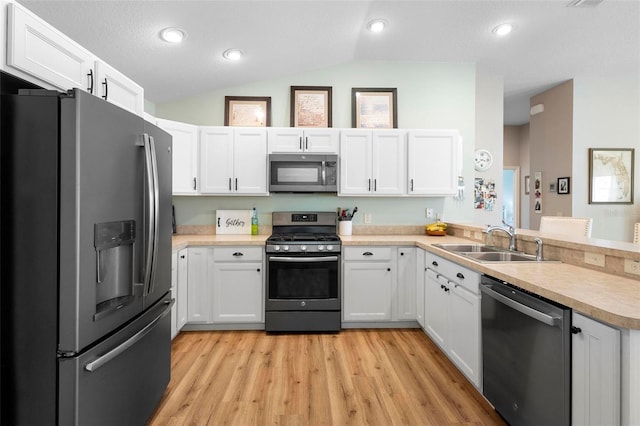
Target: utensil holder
{"x": 345, "y": 227}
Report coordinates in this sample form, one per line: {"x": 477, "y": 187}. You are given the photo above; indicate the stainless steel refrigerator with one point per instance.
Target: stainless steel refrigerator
{"x": 86, "y": 261}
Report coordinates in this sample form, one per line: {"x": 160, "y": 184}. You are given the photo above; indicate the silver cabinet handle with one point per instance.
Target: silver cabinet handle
{"x": 113, "y": 353}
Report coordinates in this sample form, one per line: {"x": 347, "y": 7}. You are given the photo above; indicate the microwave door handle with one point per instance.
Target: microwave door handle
{"x": 324, "y": 173}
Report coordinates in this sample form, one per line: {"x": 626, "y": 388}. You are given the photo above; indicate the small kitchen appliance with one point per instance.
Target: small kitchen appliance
{"x": 303, "y": 273}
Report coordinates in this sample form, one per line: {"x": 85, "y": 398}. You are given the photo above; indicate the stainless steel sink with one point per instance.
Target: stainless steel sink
{"x": 468, "y": 248}
{"x": 499, "y": 256}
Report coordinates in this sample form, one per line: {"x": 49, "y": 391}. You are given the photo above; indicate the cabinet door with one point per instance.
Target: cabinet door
{"x": 182, "y": 301}
{"x": 406, "y": 300}
{"x": 216, "y": 160}
{"x": 433, "y": 162}
{"x": 250, "y": 161}
{"x": 199, "y": 287}
{"x": 436, "y": 310}
{"x": 184, "y": 155}
{"x": 367, "y": 291}
{"x": 321, "y": 140}
{"x": 115, "y": 87}
{"x": 38, "y": 49}
{"x": 595, "y": 373}
{"x": 389, "y": 162}
{"x": 464, "y": 344}
{"x": 237, "y": 292}
{"x": 284, "y": 139}
{"x": 420, "y": 287}
{"x": 355, "y": 162}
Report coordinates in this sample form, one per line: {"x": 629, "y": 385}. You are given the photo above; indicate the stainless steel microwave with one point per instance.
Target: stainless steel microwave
{"x": 303, "y": 173}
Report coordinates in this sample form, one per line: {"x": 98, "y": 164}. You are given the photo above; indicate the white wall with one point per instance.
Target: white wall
{"x": 606, "y": 115}
{"x": 430, "y": 95}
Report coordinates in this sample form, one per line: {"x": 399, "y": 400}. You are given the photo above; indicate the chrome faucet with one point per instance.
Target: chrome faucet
{"x": 538, "y": 248}
{"x": 507, "y": 229}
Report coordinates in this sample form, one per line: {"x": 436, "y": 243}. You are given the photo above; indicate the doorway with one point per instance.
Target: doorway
{"x": 511, "y": 199}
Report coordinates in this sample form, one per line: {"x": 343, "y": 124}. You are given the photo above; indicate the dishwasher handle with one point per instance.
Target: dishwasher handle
{"x": 533, "y": 313}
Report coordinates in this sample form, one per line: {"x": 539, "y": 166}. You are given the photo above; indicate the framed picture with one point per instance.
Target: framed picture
{"x": 611, "y": 175}
{"x": 310, "y": 106}
{"x": 247, "y": 111}
{"x": 564, "y": 185}
{"x": 526, "y": 185}
{"x": 374, "y": 108}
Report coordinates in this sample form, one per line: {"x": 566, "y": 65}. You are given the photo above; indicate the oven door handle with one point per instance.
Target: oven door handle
{"x": 533, "y": 313}
{"x": 304, "y": 259}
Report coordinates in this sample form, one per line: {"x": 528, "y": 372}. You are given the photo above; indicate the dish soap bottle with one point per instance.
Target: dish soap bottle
{"x": 254, "y": 222}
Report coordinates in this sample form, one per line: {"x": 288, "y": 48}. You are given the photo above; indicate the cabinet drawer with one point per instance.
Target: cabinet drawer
{"x": 367, "y": 253}
{"x": 457, "y": 274}
{"x": 237, "y": 254}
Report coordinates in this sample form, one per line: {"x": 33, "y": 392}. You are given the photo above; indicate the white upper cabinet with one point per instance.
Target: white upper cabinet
{"x": 184, "y": 156}
{"x": 233, "y": 160}
{"x": 296, "y": 140}
{"x": 40, "y": 53}
{"x": 433, "y": 162}
{"x": 372, "y": 162}
{"x": 39, "y": 50}
{"x": 113, "y": 86}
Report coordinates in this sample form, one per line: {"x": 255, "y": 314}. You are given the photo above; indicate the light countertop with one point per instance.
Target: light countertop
{"x": 606, "y": 297}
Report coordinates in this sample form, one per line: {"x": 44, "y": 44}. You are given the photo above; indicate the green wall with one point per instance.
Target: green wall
{"x": 430, "y": 95}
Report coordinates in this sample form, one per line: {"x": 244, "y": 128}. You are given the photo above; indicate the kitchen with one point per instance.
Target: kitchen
{"x": 434, "y": 95}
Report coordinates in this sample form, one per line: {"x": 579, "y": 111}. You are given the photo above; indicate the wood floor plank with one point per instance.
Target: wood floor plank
{"x": 355, "y": 377}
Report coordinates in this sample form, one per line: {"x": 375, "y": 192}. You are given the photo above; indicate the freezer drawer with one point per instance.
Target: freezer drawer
{"x": 123, "y": 387}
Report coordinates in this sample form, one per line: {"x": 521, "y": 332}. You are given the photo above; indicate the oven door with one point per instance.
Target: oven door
{"x": 303, "y": 282}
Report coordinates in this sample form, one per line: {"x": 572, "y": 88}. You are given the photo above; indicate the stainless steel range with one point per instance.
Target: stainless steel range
{"x": 303, "y": 273}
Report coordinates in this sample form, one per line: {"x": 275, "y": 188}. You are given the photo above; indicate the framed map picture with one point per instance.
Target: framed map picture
{"x": 373, "y": 108}
{"x": 310, "y": 106}
{"x": 247, "y": 111}
{"x": 611, "y": 175}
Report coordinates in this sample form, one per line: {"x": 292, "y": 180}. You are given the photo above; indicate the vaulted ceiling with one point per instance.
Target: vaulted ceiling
{"x": 551, "y": 41}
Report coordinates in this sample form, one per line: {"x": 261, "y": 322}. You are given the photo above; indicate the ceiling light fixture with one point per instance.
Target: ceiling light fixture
{"x": 232, "y": 54}
{"x": 377, "y": 25}
{"x": 173, "y": 35}
{"x": 502, "y": 29}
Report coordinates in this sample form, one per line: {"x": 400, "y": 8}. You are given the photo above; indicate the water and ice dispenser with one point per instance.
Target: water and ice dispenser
{"x": 114, "y": 244}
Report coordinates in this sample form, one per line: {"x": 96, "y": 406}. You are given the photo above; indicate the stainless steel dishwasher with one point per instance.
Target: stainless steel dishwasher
{"x": 526, "y": 353}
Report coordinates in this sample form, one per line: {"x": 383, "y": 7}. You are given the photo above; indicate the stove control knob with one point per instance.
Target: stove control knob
{"x": 276, "y": 248}
{"x": 303, "y": 248}
{"x": 320, "y": 247}
{"x": 329, "y": 248}
{"x": 285, "y": 248}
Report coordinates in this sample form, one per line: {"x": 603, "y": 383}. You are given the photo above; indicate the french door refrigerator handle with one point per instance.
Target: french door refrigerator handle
{"x": 156, "y": 213}
{"x": 115, "y": 352}
{"x": 533, "y": 313}
{"x": 150, "y": 219}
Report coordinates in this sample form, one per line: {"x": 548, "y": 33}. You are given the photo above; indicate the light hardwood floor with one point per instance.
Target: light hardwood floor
{"x": 356, "y": 377}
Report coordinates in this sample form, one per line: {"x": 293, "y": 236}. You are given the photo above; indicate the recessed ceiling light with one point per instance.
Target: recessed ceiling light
{"x": 502, "y": 29}
{"x": 377, "y": 25}
{"x": 232, "y": 54}
{"x": 173, "y": 35}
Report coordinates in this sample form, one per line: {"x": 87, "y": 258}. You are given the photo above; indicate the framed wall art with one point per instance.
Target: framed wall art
{"x": 564, "y": 185}
{"x": 373, "y": 108}
{"x": 611, "y": 175}
{"x": 310, "y": 106}
{"x": 247, "y": 111}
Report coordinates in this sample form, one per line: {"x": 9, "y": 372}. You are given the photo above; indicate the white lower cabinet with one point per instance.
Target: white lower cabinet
{"x": 238, "y": 284}
{"x": 367, "y": 278}
{"x": 595, "y": 376}
{"x": 420, "y": 284}
{"x": 225, "y": 284}
{"x": 199, "y": 286}
{"x": 182, "y": 290}
{"x": 405, "y": 288}
{"x": 452, "y": 313}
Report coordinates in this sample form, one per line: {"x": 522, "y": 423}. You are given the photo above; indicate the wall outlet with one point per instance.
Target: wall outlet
{"x": 596, "y": 259}
{"x": 367, "y": 218}
{"x": 632, "y": 266}
{"x": 477, "y": 235}
{"x": 428, "y": 213}
{"x": 466, "y": 233}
